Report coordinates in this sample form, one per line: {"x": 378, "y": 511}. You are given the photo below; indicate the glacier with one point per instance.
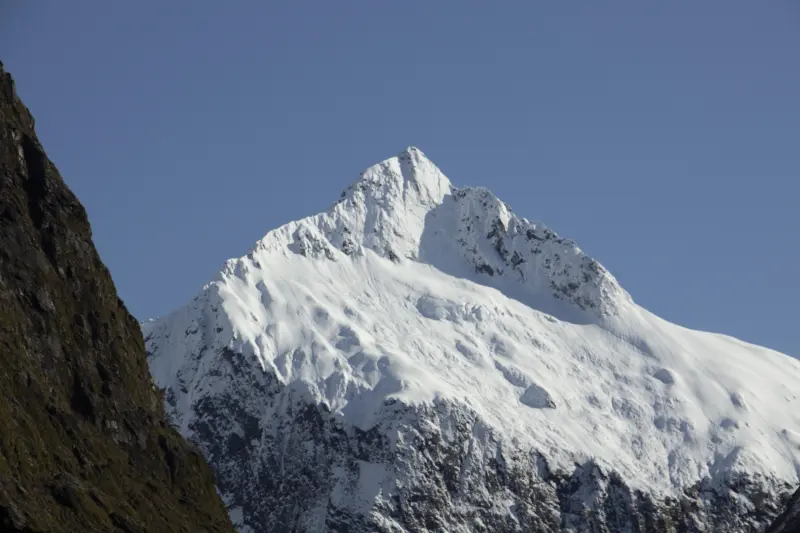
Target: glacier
{"x": 421, "y": 358}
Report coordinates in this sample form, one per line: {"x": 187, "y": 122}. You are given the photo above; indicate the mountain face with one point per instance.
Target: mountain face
{"x": 419, "y": 358}
{"x": 84, "y": 445}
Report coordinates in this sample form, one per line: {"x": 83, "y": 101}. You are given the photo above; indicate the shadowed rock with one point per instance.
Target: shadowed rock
{"x": 83, "y": 441}
{"x": 789, "y": 520}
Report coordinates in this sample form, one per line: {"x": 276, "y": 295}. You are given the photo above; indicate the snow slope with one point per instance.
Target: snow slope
{"x": 412, "y": 292}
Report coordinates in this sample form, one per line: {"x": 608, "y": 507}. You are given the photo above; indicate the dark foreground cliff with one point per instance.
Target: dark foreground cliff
{"x": 83, "y": 441}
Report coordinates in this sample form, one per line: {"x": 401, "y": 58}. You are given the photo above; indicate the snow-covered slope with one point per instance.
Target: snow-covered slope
{"x": 420, "y": 358}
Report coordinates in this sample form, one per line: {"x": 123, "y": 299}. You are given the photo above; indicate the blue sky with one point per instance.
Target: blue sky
{"x": 662, "y": 137}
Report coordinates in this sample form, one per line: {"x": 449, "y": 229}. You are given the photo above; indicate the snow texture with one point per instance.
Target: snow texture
{"x": 413, "y": 307}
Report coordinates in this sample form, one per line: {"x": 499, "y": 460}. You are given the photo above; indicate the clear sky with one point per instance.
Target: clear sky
{"x": 663, "y": 137}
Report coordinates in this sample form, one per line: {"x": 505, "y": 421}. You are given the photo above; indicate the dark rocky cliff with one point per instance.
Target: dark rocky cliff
{"x": 789, "y": 520}
{"x": 83, "y": 441}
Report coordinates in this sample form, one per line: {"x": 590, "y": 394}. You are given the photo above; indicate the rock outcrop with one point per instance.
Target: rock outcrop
{"x": 83, "y": 441}
{"x": 789, "y": 520}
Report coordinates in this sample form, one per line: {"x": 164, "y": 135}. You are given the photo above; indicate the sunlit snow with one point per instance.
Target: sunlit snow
{"x": 412, "y": 289}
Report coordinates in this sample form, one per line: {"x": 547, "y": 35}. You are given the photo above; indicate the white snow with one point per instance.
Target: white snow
{"x": 380, "y": 298}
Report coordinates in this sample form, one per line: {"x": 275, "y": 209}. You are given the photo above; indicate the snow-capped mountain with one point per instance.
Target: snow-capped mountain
{"x": 420, "y": 358}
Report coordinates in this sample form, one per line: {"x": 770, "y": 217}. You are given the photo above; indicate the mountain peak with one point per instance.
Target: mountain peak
{"x": 414, "y": 157}
{"x": 405, "y": 209}
{"x": 407, "y": 177}
{"x": 394, "y": 349}
{"x": 412, "y": 150}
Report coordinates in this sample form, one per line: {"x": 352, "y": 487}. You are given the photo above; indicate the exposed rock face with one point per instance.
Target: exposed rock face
{"x": 789, "y": 520}
{"x": 429, "y": 469}
{"x": 83, "y": 441}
